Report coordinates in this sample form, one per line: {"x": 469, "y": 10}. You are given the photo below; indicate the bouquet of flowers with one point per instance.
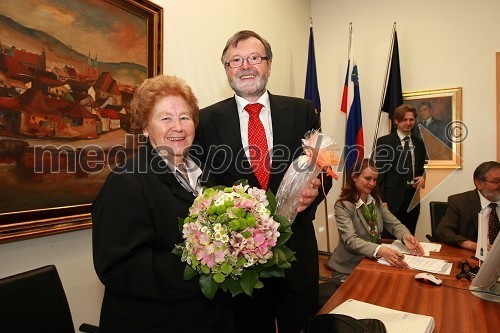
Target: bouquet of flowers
{"x": 319, "y": 155}
{"x": 232, "y": 238}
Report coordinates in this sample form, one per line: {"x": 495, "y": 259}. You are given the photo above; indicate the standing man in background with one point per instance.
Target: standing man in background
{"x": 400, "y": 158}
{"x": 255, "y": 135}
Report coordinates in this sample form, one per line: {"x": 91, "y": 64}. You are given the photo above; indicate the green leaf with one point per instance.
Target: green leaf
{"x": 280, "y": 254}
{"x": 177, "y": 250}
{"x": 259, "y": 285}
{"x": 284, "y": 236}
{"x": 248, "y": 280}
{"x": 180, "y": 223}
{"x": 275, "y": 272}
{"x": 283, "y": 221}
{"x": 290, "y": 254}
{"x": 272, "y": 202}
{"x": 273, "y": 261}
{"x": 208, "y": 286}
{"x": 189, "y": 273}
{"x": 243, "y": 182}
{"x": 234, "y": 287}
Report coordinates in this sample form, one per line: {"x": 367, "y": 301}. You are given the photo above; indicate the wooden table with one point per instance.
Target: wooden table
{"x": 452, "y": 305}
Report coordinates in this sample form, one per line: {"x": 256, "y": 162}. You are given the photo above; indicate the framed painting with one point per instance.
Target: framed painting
{"x": 68, "y": 71}
{"x": 439, "y": 124}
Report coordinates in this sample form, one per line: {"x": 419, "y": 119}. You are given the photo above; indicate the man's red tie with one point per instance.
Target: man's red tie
{"x": 257, "y": 145}
{"x": 493, "y": 223}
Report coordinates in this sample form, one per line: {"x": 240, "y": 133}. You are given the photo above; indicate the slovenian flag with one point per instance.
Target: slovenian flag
{"x": 355, "y": 146}
{"x": 343, "y": 104}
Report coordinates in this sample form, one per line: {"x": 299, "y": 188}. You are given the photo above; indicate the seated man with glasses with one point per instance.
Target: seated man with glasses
{"x": 459, "y": 226}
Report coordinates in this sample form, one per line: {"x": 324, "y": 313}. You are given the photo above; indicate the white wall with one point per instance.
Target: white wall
{"x": 442, "y": 44}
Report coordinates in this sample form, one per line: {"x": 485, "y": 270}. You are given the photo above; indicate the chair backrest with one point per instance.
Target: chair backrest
{"x": 437, "y": 209}
{"x": 34, "y": 301}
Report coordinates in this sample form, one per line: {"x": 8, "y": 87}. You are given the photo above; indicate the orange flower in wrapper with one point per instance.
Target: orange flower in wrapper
{"x": 319, "y": 155}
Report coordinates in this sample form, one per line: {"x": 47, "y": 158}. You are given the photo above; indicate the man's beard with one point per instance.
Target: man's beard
{"x": 492, "y": 196}
{"x": 249, "y": 89}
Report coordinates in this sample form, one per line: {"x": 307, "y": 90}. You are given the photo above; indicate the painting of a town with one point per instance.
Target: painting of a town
{"x": 68, "y": 70}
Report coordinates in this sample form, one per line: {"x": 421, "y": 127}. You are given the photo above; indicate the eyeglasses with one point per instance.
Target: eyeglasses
{"x": 494, "y": 182}
{"x": 466, "y": 270}
{"x": 252, "y": 60}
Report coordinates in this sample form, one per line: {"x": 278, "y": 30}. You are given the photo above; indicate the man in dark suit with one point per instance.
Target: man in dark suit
{"x": 459, "y": 226}
{"x": 223, "y": 142}
{"x": 401, "y": 169}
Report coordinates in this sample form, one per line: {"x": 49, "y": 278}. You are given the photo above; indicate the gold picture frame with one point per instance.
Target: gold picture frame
{"x": 30, "y": 208}
{"x": 444, "y": 132}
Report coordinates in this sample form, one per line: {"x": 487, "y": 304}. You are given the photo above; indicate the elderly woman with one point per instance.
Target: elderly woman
{"x": 135, "y": 223}
{"x": 361, "y": 217}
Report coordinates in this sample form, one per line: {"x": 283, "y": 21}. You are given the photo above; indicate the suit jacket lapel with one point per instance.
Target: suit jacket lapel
{"x": 362, "y": 219}
{"x": 227, "y": 122}
{"x": 282, "y": 124}
{"x": 476, "y": 208}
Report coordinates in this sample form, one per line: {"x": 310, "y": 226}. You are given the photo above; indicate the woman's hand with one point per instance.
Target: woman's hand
{"x": 413, "y": 245}
{"x": 393, "y": 257}
{"x": 308, "y": 196}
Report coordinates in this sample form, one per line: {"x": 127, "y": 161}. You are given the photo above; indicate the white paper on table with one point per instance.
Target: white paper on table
{"x": 482, "y": 236}
{"x": 395, "y": 321}
{"x": 428, "y": 247}
{"x": 424, "y": 264}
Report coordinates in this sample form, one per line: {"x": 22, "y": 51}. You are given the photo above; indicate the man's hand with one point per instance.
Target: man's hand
{"x": 469, "y": 245}
{"x": 308, "y": 196}
{"x": 419, "y": 182}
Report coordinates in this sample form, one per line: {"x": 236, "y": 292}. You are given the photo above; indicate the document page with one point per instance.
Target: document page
{"x": 428, "y": 247}
{"x": 395, "y": 321}
{"x": 424, "y": 264}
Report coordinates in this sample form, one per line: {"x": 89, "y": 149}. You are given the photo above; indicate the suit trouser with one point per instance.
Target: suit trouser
{"x": 275, "y": 303}
{"x": 408, "y": 218}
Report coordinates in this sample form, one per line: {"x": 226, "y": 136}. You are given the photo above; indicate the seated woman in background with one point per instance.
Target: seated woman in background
{"x": 135, "y": 223}
{"x": 361, "y": 217}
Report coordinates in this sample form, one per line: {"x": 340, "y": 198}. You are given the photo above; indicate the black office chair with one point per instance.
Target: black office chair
{"x": 330, "y": 322}
{"x": 35, "y": 301}
{"x": 437, "y": 209}
{"x": 327, "y": 289}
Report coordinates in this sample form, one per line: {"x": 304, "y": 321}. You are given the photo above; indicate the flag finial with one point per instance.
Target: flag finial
{"x": 310, "y": 21}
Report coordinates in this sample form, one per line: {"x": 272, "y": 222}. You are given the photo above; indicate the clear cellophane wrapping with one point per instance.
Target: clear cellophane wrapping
{"x": 318, "y": 154}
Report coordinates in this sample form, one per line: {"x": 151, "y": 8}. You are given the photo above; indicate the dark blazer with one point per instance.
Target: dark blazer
{"x": 218, "y": 145}
{"x": 134, "y": 231}
{"x": 460, "y": 221}
{"x": 391, "y": 180}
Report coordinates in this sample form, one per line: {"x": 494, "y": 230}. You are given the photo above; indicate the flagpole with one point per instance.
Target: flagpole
{"x": 347, "y": 111}
{"x": 384, "y": 87}
{"x": 325, "y": 200}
